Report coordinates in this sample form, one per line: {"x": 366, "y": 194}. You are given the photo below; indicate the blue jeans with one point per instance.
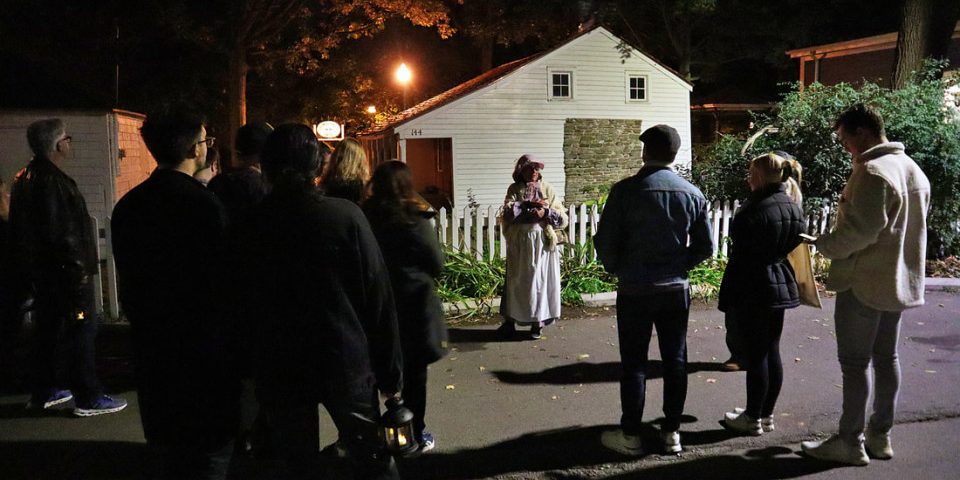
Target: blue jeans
{"x": 637, "y": 315}
{"x": 865, "y": 336}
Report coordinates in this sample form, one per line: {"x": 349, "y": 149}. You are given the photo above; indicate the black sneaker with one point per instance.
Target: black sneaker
{"x": 506, "y": 330}
{"x": 536, "y": 332}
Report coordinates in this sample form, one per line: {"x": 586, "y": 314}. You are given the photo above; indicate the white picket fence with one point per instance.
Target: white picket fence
{"x": 477, "y": 229}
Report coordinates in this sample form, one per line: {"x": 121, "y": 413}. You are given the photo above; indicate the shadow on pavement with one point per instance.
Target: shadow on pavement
{"x": 586, "y": 372}
{"x": 579, "y": 447}
{"x": 57, "y": 460}
{"x": 768, "y": 463}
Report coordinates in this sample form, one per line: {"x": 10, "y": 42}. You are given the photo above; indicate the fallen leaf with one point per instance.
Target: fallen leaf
{"x": 929, "y": 371}
{"x": 583, "y": 356}
{"x": 711, "y": 380}
{"x": 482, "y": 368}
{"x": 554, "y": 397}
{"x": 785, "y": 414}
{"x": 932, "y": 350}
{"x": 921, "y": 323}
{"x": 576, "y": 391}
{"x": 941, "y": 305}
{"x": 813, "y": 338}
{"x": 796, "y": 360}
{"x": 837, "y": 385}
{"x": 451, "y": 387}
{"x": 453, "y": 358}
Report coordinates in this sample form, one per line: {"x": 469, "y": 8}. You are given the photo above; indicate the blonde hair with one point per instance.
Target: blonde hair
{"x": 348, "y": 162}
{"x": 780, "y": 167}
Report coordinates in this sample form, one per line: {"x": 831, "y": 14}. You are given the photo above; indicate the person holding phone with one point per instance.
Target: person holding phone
{"x": 759, "y": 284}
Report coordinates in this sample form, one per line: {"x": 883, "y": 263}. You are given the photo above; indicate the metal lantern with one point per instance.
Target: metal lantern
{"x": 396, "y": 426}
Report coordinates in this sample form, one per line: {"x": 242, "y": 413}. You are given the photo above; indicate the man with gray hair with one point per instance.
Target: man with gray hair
{"x": 54, "y": 246}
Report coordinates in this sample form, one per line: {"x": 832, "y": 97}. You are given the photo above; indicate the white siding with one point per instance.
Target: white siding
{"x": 493, "y": 126}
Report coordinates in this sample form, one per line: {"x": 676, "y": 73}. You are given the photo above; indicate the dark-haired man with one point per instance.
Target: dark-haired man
{"x": 55, "y": 247}
{"x": 169, "y": 280}
{"x": 643, "y": 240}
{"x": 242, "y": 189}
{"x": 878, "y": 248}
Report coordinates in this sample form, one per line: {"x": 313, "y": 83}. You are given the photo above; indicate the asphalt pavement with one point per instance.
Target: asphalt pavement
{"x": 536, "y": 409}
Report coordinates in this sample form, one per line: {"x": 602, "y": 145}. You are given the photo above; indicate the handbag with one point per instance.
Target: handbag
{"x": 802, "y": 265}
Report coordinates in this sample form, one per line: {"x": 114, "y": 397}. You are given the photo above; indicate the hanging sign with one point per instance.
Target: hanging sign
{"x": 328, "y": 130}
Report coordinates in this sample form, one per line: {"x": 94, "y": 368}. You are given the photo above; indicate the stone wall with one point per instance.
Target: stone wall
{"x": 596, "y": 154}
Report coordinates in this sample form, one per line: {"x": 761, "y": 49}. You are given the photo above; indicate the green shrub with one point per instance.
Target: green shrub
{"x": 708, "y": 276}
{"x": 580, "y": 274}
{"x": 914, "y": 115}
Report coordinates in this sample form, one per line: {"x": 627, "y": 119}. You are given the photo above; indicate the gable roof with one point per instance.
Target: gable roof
{"x": 491, "y": 76}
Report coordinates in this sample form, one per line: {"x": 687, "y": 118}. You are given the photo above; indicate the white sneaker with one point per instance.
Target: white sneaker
{"x": 835, "y": 449}
{"x": 619, "y": 442}
{"x": 766, "y": 423}
{"x": 743, "y": 423}
{"x": 671, "y": 441}
{"x": 878, "y": 445}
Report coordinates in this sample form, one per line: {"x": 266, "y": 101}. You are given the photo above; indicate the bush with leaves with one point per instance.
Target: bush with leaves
{"x": 581, "y": 274}
{"x": 914, "y": 115}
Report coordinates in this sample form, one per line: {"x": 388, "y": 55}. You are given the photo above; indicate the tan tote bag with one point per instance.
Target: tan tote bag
{"x": 802, "y": 265}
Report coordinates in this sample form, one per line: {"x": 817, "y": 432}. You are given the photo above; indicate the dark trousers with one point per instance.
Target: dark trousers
{"x": 637, "y": 315}
{"x": 296, "y": 431}
{"x": 734, "y": 338}
{"x": 190, "y": 462}
{"x": 761, "y": 333}
{"x": 415, "y": 393}
{"x": 64, "y": 347}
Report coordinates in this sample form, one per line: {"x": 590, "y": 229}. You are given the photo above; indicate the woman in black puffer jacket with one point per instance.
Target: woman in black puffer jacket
{"x": 759, "y": 283}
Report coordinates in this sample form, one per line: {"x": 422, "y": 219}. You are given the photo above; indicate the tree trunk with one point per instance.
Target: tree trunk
{"x": 486, "y": 54}
{"x": 912, "y": 42}
{"x": 236, "y": 96}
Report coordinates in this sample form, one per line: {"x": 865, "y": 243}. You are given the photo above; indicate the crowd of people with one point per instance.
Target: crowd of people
{"x": 322, "y": 288}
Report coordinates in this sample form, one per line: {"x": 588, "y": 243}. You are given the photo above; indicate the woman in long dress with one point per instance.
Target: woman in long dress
{"x": 533, "y": 217}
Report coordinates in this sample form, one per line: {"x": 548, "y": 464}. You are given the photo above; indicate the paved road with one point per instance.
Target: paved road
{"x": 535, "y": 410}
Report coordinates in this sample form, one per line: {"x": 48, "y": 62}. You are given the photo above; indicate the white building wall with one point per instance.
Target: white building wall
{"x": 493, "y": 126}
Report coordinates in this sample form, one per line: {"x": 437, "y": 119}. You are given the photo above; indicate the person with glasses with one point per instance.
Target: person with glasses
{"x": 55, "y": 246}
{"x": 170, "y": 286}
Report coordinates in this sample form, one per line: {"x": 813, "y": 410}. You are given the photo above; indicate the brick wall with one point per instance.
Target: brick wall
{"x": 596, "y": 154}
{"x": 136, "y": 163}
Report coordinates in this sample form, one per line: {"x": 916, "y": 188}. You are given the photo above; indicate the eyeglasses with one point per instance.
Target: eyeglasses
{"x": 209, "y": 141}
{"x": 67, "y": 139}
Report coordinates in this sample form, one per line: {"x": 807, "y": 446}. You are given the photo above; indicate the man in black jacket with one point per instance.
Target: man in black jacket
{"x": 187, "y": 381}
{"x": 653, "y": 230}
{"x": 55, "y": 247}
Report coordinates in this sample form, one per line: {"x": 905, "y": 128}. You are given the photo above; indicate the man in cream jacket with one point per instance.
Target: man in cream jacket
{"x": 878, "y": 248}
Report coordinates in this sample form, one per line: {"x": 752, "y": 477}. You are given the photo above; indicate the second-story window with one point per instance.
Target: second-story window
{"x": 561, "y": 85}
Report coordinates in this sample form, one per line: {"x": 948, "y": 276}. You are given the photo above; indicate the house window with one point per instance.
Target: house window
{"x": 636, "y": 88}
{"x": 561, "y": 85}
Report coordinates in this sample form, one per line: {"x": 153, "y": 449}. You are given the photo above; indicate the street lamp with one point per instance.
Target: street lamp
{"x": 404, "y": 75}
{"x": 371, "y": 109}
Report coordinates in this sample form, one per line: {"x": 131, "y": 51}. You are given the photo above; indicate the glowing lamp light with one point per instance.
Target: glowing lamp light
{"x": 371, "y": 109}
{"x": 403, "y": 74}
{"x": 397, "y": 429}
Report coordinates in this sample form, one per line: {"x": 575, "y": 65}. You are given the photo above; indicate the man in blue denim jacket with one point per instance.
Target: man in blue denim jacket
{"x": 653, "y": 230}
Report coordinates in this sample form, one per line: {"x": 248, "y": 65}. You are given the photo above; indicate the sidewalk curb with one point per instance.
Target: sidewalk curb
{"x": 609, "y": 299}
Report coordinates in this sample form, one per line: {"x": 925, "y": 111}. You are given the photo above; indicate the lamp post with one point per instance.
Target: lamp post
{"x": 404, "y": 75}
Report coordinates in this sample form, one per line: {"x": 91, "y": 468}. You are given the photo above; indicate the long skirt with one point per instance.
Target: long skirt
{"x": 532, "y": 287}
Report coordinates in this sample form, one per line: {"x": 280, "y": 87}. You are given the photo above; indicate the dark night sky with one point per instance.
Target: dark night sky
{"x": 56, "y": 53}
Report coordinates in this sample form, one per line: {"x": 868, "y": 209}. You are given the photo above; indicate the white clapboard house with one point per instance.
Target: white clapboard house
{"x": 463, "y": 142}
{"x": 109, "y": 158}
